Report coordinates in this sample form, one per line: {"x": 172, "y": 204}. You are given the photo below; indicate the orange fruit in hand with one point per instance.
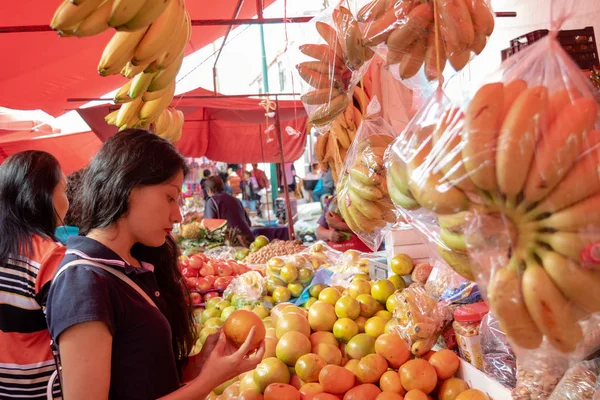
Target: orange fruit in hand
{"x": 418, "y": 374}
{"x": 445, "y": 362}
{"x": 237, "y": 328}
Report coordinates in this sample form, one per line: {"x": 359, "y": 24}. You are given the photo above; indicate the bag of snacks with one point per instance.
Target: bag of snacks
{"x": 580, "y": 382}
{"x": 247, "y": 288}
{"x": 499, "y": 360}
{"x": 511, "y": 174}
{"x": 362, "y": 194}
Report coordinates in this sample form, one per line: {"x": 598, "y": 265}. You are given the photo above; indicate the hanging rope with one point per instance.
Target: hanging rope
{"x": 436, "y": 28}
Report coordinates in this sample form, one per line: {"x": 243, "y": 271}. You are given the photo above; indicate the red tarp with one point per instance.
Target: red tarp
{"x": 225, "y": 129}
{"x": 41, "y": 70}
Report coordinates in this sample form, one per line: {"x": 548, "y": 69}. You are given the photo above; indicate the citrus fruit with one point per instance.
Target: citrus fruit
{"x": 385, "y": 314}
{"x": 352, "y": 365}
{"x": 418, "y": 374}
{"x": 391, "y": 303}
{"x": 360, "y": 346}
{"x": 308, "y": 390}
{"x": 347, "y": 307}
{"x": 392, "y": 326}
{"x": 295, "y": 380}
{"x": 393, "y": 349}
{"x": 382, "y": 289}
{"x": 237, "y": 328}
{"x": 323, "y": 337}
{"x": 270, "y": 346}
{"x": 345, "y": 329}
{"x": 451, "y": 388}
{"x": 261, "y": 311}
{"x": 375, "y": 326}
{"x": 273, "y": 282}
{"x": 310, "y": 302}
{"x": 292, "y": 322}
{"x": 370, "y": 368}
{"x": 271, "y": 370}
{"x": 305, "y": 275}
{"x": 281, "y": 294}
{"x": 401, "y": 264}
{"x": 278, "y": 391}
{"x": 358, "y": 287}
{"x": 366, "y": 391}
{"x": 261, "y": 241}
{"x": 416, "y": 394}
{"x": 247, "y": 383}
{"x": 249, "y": 394}
{"x": 308, "y": 367}
{"x": 445, "y": 363}
{"x": 336, "y": 380}
{"x": 329, "y": 295}
{"x": 390, "y": 382}
{"x": 291, "y": 309}
{"x": 291, "y": 346}
{"x": 329, "y": 353}
{"x": 295, "y": 288}
{"x": 368, "y": 305}
{"x": 289, "y": 273}
{"x": 321, "y": 316}
{"x": 398, "y": 281}
{"x": 472, "y": 394}
{"x": 361, "y": 321}
{"x": 389, "y": 396}
{"x": 315, "y": 290}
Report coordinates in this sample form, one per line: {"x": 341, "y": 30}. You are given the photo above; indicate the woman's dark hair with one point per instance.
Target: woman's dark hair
{"x": 27, "y": 183}
{"x": 130, "y": 159}
{"x": 74, "y": 182}
{"x": 206, "y": 173}
{"x": 214, "y": 184}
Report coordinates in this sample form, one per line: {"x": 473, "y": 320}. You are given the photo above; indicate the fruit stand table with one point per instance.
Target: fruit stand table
{"x": 271, "y": 232}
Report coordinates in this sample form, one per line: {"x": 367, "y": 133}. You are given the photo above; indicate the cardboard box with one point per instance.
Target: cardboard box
{"x": 404, "y": 235}
{"x": 480, "y": 381}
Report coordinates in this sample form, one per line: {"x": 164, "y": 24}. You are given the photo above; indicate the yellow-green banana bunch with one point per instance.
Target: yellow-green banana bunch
{"x": 331, "y": 73}
{"x": 362, "y": 192}
{"x": 169, "y": 124}
{"x": 407, "y": 27}
{"x": 526, "y": 157}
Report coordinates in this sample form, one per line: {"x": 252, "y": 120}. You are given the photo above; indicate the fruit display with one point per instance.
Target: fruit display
{"x": 197, "y": 236}
{"x": 427, "y": 33}
{"x": 147, "y": 48}
{"x": 362, "y": 192}
{"x": 287, "y": 276}
{"x": 334, "y": 69}
{"x": 276, "y": 248}
{"x": 513, "y": 177}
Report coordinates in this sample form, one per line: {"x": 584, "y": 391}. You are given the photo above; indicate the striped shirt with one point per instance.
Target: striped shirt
{"x": 26, "y": 361}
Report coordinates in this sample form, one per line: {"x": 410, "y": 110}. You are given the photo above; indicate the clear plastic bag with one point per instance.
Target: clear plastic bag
{"x": 248, "y": 288}
{"x": 579, "y": 382}
{"x": 420, "y": 318}
{"x": 337, "y": 60}
{"x": 363, "y": 199}
{"x": 512, "y": 176}
{"x": 404, "y": 32}
{"x": 499, "y": 360}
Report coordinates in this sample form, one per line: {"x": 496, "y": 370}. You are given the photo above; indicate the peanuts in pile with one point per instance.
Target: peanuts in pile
{"x": 274, "y": 249}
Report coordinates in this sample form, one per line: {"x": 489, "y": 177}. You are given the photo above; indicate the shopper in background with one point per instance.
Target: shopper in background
{"x": 224, "y": 206}
{"x": 326, "y": 188}
{"x": 249, "y": 188}
{"x": 206, "y": 175}
{"x": 261, "y": 177}
{"x": 33, "y": 202}
{"x": 115, "y": 343}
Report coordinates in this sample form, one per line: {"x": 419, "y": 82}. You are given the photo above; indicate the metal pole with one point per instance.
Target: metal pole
{"x": 286, "y": 191}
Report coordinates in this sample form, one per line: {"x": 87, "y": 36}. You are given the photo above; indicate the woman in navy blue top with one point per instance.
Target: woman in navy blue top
{"x": 113, "y": 343}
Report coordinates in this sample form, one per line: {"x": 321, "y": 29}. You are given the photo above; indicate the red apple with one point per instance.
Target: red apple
{"x": 189, "y": 272}
{"x": 195, "y": 262}
{"x": 184, "y": 262}
{"x": 210, "y": 295}
{"x": 243, "y": 269}
{"x": 212, "y": 262}
{"x": 207, "y": 270}
{"x": 211, "y": 279}
{"x": 203, "y": 284}
{"x": 224, "y": 269}
{"x": 191, "y": 282}
{"x": 196, "y": 298}
{"x": 222, "y": 283}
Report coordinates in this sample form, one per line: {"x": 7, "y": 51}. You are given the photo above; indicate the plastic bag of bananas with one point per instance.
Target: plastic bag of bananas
{"x": 512, "y": 175}
{"x": 331, "y": 65}
{"x": 362, "y": 193}
{"x": 403, "y": 32}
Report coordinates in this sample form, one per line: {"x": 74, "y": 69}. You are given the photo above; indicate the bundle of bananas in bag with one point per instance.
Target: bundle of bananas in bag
{"x": 406, "y": 28}
{"x": 332, "y": 147}
{"x": 148, "y": 46}
{"x": 513, "y": 176}
{"x": 335, "y": 69}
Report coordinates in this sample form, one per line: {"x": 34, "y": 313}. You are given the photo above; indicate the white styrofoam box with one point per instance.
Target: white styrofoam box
{"x": 403, "y": 235}
{"x": 479, "y": 380}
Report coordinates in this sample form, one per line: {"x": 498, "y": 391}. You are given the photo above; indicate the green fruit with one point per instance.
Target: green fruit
{"x": 214, "y": 322}
{"x": 241, "y": 254}
{"x": 222, "y": 305}
{"x": 261, "y": 241}
{"x": 227, "y": 312}
{"x": 305, "y": 275}
{"x": 209, "y": 313}
{"x": 295, "y": 288}
{"x": 309, "y": 302}
{"x": 316, "y": 290}
{"x": 212, "y": 303}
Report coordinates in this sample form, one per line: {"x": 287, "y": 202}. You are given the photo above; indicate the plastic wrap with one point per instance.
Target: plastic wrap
{"x": 404, "y": 32}
{"x": 512, "y": 177}
{"x": 331, "y": 65}
{"x": 420, "y": 319}
{"x": 499, "y": 360}
{"x": 362, "y": 194}
{"x": 247, "y": 288}
{"x": 580, "y": 382}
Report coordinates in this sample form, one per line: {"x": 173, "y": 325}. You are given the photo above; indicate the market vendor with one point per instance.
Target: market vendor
{"x": 224, "y": 206}
{"x": 332, "y": 229}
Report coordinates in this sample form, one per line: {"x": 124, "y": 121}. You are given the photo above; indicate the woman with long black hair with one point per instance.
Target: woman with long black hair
{"x": 33, "y": 203}
{"x": 128, "y": 337}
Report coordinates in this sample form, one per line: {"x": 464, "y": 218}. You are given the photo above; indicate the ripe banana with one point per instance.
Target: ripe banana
{"x": 340, "y": 133}
{"x": 479, "y": 43}
{"x": 320, "y": 96}
{"x": 124, "y": 10}
{"x": 111, "y": 118}
{"x": 481, "y": 16}
{"x": 328, "y": 112}
{"x": 559, "y": 100}
{"x": 159, "y": 34}
{"x": 322, "y": 68}
{"x": 483, "y": 121}
{"x": 458, "y": 58}
{"x": 130, "y": 70}
{"x": 367, "y": 192}
{"x": 431, "y": 56}
{"x": 152, "y": 109}
{"x": 314, "y": 78}
{"x": 512, "y": 91}
{"x": 128, "y": 113}
{"x": 550, "y": 310}
{"x": 165, "y": 77}
{"x": 366, "y": 207}
{"x": 382, "y": 27}
{"x": 508, "y": 306}
{"x": 417, "y": 22}
{"x": 453, "y": 240}
{"x": 519, "y": 134}
{"x": 457, "y": 27}
{"x": 355, "y": 53}
{"x": 119, "y": 51}
{"x": 398, "y": 178}
{"x": 458, "y": 261}
{"x": 412, "y": 61}
{"x": 96, "y": 22}
{"x": 176, "y": 50}
{"x": 371, "y": 11}
{"x": 331, "y": 37}
{"x": 147, "y": 15}
{"x": 569, "y": 244}
{"x": 122, "y": 96}
{"x": 139, "y": 84}
{"x": 323, "y": 53}
{"x": 68, "y": 15}
{"x": 581, "y": 216}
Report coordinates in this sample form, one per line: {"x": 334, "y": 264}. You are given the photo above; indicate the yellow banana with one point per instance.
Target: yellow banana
{"x": 366, "y": 207}
{"x": 362, "y": 98}
{"x": 119, "y": 51}
{"x": 111, "y": 118}
{"x": 581, "y": 216}
{"x": 357, "y": 113}
{"x": 459, "y": 58}
{"x": 479, "y": 43}
{"x": 130, "y": 70}
{"x": 340, "y": 133}
{"x": 569, "y": 244}
{"x": 519, "y": 134}
{"x": 579, "y": 285}
{"x": 314, "y": 78}
{"x": 457, "y": 27}
{"x": 351, "y": 38}
{"x": 421, "y": 347}
{"x": 559, "y": 100}
{"x": 68, "y": 16}
{"x": 483, "y": 120}
{"x": 375, "y": 141}
{"x": 122, "y": 96}
{"x": 481, "y": 16}
{"x": 557, "y": 151}
{"x": 365, "y": 224}
{"x": 401, "y": 200}
{"x": 364, "y": 175}
{"x": 431, "y": 56}
{"x": 387, "y": 208}
{"x": 367, "y": 192}
{"x": 371, "y": 160}
{"x": 178, "y": 131}
{"x": 159, "y": 34}
{"x": 96, "y": 22}
{"x": 342, "y": 200}
{"x": 320, "y": 96}
{"x": 153, "y": 108}
{"x": 139, "y": 84}
{"x": 349, "y": 117}
{"x": 331, "y": 37}
{"x": 417, "y": 22}
{"x": 328, "y": 112}
{"x": 550, "y": 309}
{"x": 397, "y": 177}
{"x": 412, "y": 61}
{"x": 128, "y": 112}
{"x": 323, "y": 53}
{"x": 322, "y": 68}
{"x": 453, "y": 240}
{"x": 177, "y": 49}
{"x": 458, "y": 261}
{"x": 124, "y": 10}
{"x": 512, "y": 91}
{"x": 427, "y": 186}
{"x": 165, "y": 77}
{"x": 163, "y": 122}
{"x": 380, "y": 29}
{"x": 320, "y": 146}
{"x": 147, "y": 15}
{"x": 508, "y": 306}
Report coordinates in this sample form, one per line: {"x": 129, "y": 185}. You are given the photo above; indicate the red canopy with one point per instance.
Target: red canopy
{"x": 41, "y": 70}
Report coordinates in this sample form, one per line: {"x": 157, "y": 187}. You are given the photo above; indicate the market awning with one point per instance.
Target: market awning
{"x": 41, "y": 70}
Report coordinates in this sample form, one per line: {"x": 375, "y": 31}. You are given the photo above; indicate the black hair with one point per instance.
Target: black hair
{"x": 130, "y": 159}
{"x": 74, "y": 181}
{"x": 214, "y": 184}
{"x": 206, "y": 173}
{"x": 27, "y": 183}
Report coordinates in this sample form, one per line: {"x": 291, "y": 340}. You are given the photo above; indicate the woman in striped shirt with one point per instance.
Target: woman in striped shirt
{"x": 33, "y": 203}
